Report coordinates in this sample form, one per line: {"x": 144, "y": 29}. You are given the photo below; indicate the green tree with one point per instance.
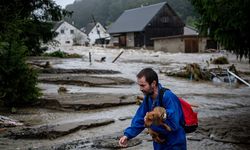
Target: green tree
{"x": 23, "y": 26}
{"x": 34, "y": 19}
{"x": 17, "y": 80}
{"x": 227, "y": 21}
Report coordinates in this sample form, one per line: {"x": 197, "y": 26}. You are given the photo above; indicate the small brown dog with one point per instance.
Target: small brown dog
{"x": 156, "y": 117}
{"x": 155, "y": 136}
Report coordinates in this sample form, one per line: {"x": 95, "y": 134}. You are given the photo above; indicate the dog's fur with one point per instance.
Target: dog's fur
{"x": 155, "y": 136}
{"x": 156, "y": 117}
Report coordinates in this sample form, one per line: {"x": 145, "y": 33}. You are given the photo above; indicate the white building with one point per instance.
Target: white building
{"x": 69, "y": 35}
{"x": 97, "y": 34}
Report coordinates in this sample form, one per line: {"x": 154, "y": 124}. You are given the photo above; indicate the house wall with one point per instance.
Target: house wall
{"x": 69, "y": 35}
{"x": 202, "y": 44}
{"x": 114, "y": 41}
{"x": 93, "y": 35}
{"x": 165, "y": 23}
{"x": 175, "y": 45}
{"x": 130, "y": 39}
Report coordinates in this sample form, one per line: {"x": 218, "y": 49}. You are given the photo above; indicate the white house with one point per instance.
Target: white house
{"x": 97, "y": 33}
{"x": 69, "y": 35}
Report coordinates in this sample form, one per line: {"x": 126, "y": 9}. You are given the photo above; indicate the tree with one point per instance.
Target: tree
{"x": 34, "y": 19}
{"x": 23, "y": 26}
{"x": 226, "y": 21}
{"x": 17, "y": 80}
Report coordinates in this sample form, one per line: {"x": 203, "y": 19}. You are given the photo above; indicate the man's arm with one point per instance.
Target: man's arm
{"x": 137, "y": 124}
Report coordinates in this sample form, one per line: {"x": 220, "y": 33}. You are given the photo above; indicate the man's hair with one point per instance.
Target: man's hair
{"x": 149, "y": 74}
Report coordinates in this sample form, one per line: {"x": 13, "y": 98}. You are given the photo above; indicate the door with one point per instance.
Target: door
{"x": 191, "y": 45}
{"x": 122, "y": 41}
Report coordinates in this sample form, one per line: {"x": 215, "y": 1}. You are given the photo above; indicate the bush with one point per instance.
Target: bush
{"x": 220, "y": 60}
{"x": 62, "y": 54}
{"x": 17, "y": 80}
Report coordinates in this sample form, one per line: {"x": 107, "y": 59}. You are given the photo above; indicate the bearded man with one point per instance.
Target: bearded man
{"x": 175, "y": 138}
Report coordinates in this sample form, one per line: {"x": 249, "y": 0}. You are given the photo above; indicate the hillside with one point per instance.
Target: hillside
{"x": 107, "y": 11}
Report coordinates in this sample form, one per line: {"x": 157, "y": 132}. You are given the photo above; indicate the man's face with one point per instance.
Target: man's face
{"x": 145, "y": 87}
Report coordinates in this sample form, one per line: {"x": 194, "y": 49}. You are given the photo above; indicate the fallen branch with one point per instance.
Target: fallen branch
{"x": 117, "y": 56}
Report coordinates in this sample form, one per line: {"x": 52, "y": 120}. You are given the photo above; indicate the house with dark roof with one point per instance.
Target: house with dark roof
{"x": 97, "y": 33}
{"x": 69, "y": 35}
{"x": 189, "y": 42}
{"x": 136, "y": 27}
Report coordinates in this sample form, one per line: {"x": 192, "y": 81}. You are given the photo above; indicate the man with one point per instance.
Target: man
{"x": 176, "y": 138}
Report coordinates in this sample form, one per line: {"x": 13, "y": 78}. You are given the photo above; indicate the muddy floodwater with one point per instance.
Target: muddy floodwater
{"x": 99, "y": 102}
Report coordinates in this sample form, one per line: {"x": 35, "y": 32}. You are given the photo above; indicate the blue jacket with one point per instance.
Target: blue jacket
{"x": 175, "y": 139}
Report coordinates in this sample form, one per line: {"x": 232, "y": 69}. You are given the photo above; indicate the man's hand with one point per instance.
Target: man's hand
{"x": 123, "y": 142}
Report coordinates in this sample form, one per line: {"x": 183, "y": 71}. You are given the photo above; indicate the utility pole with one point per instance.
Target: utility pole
{"x": 98, "y": 32}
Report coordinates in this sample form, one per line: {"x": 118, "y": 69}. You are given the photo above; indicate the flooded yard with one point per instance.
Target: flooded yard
{"x": 224, "y": 109}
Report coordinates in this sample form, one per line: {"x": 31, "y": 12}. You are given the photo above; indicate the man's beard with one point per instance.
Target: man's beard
{"x": 149, "y": 93}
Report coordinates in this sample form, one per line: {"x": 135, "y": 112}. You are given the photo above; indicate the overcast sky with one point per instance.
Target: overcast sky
{"x": 63, "y": 3}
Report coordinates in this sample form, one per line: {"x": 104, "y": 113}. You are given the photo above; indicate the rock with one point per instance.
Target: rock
{"x": 55, "y": 131}
{"x": 125, "y": 118}
{"x": 112, "y": 143}
{"x": 102, "y": 142}
{"x": 85, "y": 71}
{"x": 8, "y": 122}
{"x": 79, "y": 101}
{"x": 62, "y": 89}
{"x": 83, "y": 80}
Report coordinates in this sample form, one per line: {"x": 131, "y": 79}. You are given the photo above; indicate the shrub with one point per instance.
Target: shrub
{"x": 17, "y": 80}
{"x": 62, "y": 54}
{"x": 220, "y": 60}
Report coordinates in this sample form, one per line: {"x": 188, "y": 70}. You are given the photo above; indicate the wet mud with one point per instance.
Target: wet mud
{"x": 54, "y": 131}
{"x": 76, "y": 71}
{"x": 69, "y": 101}
{"x": 96, "y": 102}
{"x": 84, "y": 80}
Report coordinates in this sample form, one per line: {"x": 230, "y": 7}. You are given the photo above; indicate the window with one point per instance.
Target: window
{"x": 71, "y": 31}
{"x": 164, "y": 19}
{"x": 62, "y": 31}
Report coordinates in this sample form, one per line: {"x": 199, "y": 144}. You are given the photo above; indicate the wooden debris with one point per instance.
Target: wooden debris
{"x": 117, "y": 56}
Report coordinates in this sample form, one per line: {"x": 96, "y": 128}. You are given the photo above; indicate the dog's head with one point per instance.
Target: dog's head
{"x": 151, "y": 118}
{"x": 148, "y": 119}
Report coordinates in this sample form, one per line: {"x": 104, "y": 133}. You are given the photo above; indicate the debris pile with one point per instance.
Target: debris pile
{"x": 193, "y": 71}
{"x": 220, "y": 60}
